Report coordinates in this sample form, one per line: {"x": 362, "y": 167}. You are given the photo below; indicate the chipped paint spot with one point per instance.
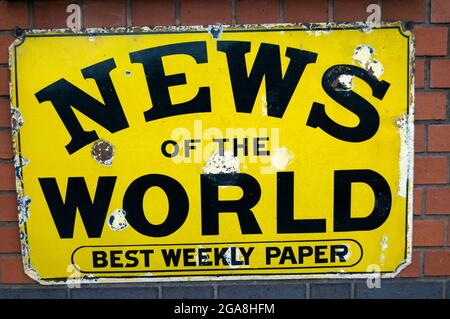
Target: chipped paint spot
{"x": 264, "y": 105}
{"x": 403, "y": 125}
{"x": 117, "y": 220}
{"x": 217, "y": 164}
{"x": 24, "y": 248}
{"x": 348, "y": 254}
{"x": 103, "y": 152}
{"x": 318, "y": 33}
{"x": 229, "y": 258}
{"x": 402, "y": 122}
{"x": 24, "y": 210}
{"x": 384, "y": 245}
{"x": 367, "y": 30}
{"x": 215, "y": 30}
{"x": 127, "y": 73}
{"x": 201, "y": 258}
{"x": 89, "y": 278}
{"x": 16, "y": 120}
{"x": 363, "y": 54}
{"x": 19, "y": 163}
{"x": 376, "y": 68}
{"x": 344, "y": 83}
{"x": 281, "y": 158}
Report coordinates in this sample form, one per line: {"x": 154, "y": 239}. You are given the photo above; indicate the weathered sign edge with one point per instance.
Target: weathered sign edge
{"x": 405, "y": 124}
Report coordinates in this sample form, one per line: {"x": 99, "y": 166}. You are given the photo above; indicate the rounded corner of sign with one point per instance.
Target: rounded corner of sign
{"x": 18, "y": 41}
{"x": 404, "y": 29}
{"x": 404, "y": 264}
{"x": 31, "y": 272}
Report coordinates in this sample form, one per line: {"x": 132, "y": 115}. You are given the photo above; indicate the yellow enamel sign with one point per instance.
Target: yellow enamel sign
{"x": 213, "y": 153}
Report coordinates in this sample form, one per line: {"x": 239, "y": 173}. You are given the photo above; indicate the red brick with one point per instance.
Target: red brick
{"x": 305, "y": 11}
{"x": 6, "y": 147}
{"x": 8, "y": 208}
{"x": 152, "y": 13}
{"x": 51, "y": 14}
{"x": 419, "y": 73}
{"x": 107, "y": 13}
{"x": 430, "y": 106}
{"x": 437, "y": 263}
{"x": 439, "y": 138}
{"x": 440, "y": 70}
{"x": 7, "y": 177}
{"x": 4, "y": 81}
{"x": 351, "y": 10}
{"x": 428, "y": 233}
{"x": 9, "y": 240}
{"x": 5, "y": 113}
{"x": 13, "y": 14}
{"x": 413, "y": 270}
{"x": 431, "y": 41}
{"x": 5, "y": 42}
{"x": 404, "y": 10}
{"x": 417, "y": 201}
{"x": 430, "y": 170}
{"x": 203, "y": 12}
{"x": 263, "y": 11}
{"x": 438, "y": 200}
{"x": 12, "y": 271}
{"x": 419, "y": 143}
{"x": 440, "y": 11}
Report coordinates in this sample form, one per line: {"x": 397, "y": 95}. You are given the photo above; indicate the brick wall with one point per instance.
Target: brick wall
{"x": 429, "y": 274}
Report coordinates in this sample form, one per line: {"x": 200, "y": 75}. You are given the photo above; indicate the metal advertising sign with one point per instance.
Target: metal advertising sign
{"x": 275, "y": 151}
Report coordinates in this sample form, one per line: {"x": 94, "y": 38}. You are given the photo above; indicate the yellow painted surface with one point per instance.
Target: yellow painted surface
{"x": 312, "y": 154}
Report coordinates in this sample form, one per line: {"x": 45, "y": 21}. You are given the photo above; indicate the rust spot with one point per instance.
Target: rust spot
{"x": 103, "y": 152}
